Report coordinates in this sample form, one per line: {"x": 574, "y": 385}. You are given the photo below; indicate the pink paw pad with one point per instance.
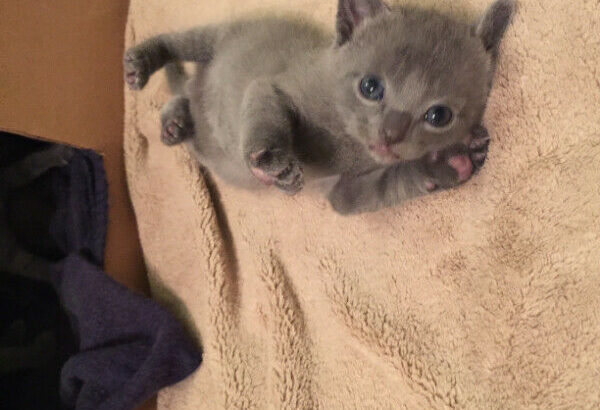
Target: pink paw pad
{"x": 262, "y": 176}
{"x": 430, "y": 186}
{"x": 462, "y": 165}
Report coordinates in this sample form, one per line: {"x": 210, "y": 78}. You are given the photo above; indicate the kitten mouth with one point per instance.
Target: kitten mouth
{"x": 383, "y": 151}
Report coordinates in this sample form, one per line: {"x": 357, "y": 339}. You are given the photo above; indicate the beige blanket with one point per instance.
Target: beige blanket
{"x": 483, "y": 297}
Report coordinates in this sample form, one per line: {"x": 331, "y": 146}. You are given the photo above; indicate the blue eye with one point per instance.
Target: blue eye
{"x": 438, "y": 116}
{"x": 371, "y": 87}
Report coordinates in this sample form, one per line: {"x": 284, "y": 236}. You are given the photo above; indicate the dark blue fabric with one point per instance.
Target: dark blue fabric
{"x": 129, "y": 347}
{"x": 81, "y": 194}
{"x": 121, "y": 347}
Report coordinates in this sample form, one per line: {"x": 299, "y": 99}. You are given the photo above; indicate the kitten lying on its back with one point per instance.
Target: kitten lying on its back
{"x": 392, "y": 105}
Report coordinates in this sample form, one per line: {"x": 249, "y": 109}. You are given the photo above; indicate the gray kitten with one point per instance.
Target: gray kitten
{"x": 391, "y": 105}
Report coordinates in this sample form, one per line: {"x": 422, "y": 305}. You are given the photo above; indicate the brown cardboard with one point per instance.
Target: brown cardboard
{"x": 60, "y": 65}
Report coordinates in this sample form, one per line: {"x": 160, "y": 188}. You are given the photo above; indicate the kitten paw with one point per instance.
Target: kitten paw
{"x": 136, "y": 72}
{"x": 458, "y": 164}
{"x": 173, "y": 132}
{"x": 276, "y": 167}
{"x": 176, "y": 120}
{"x": 447, "y": 169}
{"x": 478, "y": 148}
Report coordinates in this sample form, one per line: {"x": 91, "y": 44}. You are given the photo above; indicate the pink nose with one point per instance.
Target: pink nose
{"x": 395, "y": 125}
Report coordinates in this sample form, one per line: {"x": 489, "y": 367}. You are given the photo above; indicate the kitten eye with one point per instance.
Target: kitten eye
{"x": 438, "y": 116}
{"x": 371, "y": 87}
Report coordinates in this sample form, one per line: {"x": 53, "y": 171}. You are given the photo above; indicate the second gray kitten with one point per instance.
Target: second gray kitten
{"x": 390, "y": 105}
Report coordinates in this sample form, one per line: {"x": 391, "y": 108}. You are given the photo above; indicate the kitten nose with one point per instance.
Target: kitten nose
{"x": 395, "y": 125}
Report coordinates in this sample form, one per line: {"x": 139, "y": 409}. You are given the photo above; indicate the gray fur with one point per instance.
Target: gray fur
{"x": 493, "y": 24}
{"x": 276, "y": 100}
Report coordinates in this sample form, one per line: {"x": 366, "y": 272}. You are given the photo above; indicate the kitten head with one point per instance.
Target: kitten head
{"x": 411, "y": 81}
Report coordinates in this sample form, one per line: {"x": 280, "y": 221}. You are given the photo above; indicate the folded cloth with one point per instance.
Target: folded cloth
{"x": 128, "y": 346}
{"x": 120, "y": 347}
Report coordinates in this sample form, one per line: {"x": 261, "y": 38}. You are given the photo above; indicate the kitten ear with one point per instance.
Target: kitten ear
{"x": 351, "y": 13}
{"x": 493, "y": 24}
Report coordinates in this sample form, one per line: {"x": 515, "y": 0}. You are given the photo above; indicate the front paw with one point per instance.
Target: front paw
{"x": 177, "y": 123}
{"x": 478, "y": 148}
{"x": 456, "y": 165}
{"x": 135, "y": 67}
{"x": 174, "y": 131}
{"x": 277, "y": 167}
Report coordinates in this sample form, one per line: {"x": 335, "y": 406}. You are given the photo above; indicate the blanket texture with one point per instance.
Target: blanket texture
{"x": 482, "y": 297}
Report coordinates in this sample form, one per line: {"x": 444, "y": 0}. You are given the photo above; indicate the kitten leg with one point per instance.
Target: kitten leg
{"x": 378, "y": 188}
{"x": 34, "y": 165}
{"x": 267, "y": 138}
{"x": 141, "y": 61}
{"x": 177, "y": 122}
{"x": 389, "y": 186}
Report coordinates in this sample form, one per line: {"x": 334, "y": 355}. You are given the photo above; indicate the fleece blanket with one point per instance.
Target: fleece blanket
{"x": 482, "y": 297}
